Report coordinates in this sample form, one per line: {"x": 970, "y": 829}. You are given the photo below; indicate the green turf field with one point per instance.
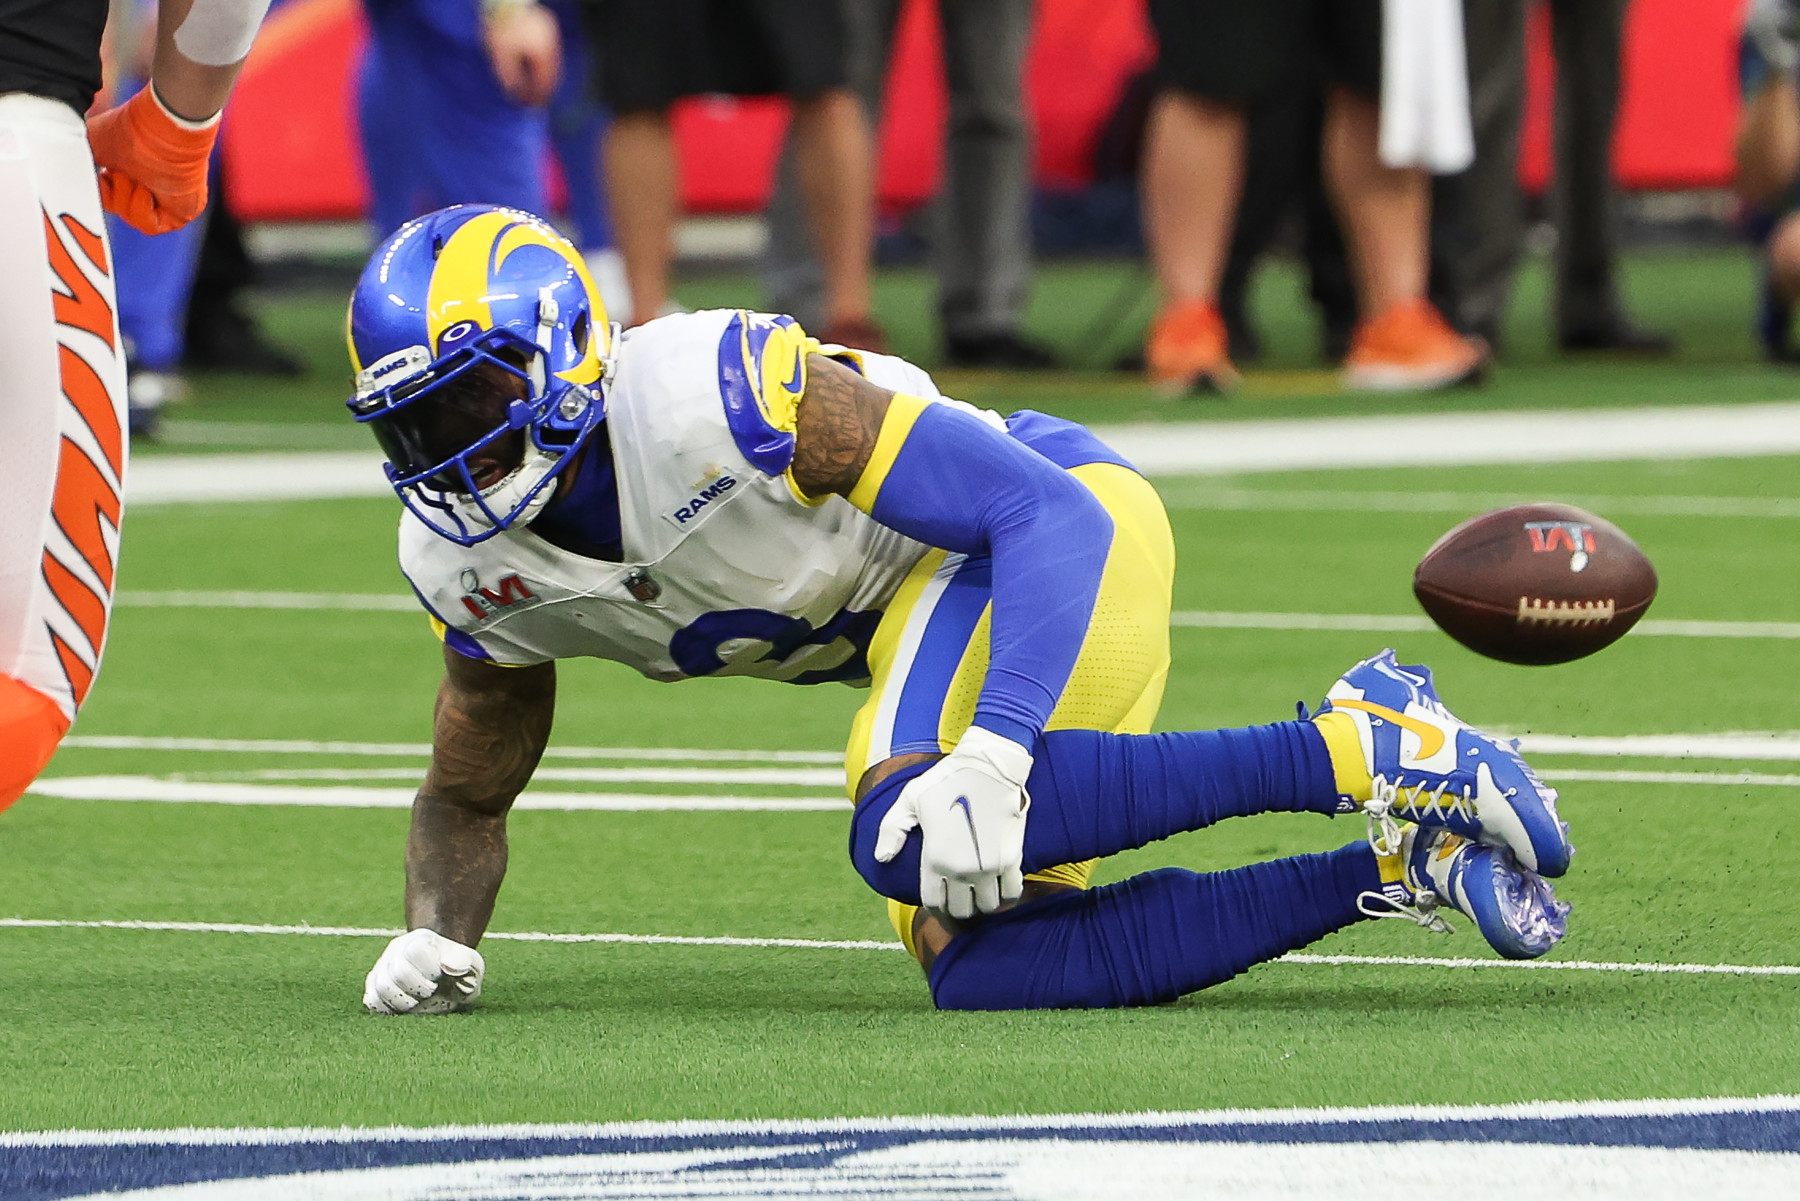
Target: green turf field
{"x": 158, "y": 1028}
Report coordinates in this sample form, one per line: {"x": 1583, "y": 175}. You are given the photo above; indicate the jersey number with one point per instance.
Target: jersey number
{"x": 756, "y": 642}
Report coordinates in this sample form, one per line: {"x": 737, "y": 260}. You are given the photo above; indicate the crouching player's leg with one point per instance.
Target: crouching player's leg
{"x": 62, "y": 449}
{"x": 1161, "y": 934}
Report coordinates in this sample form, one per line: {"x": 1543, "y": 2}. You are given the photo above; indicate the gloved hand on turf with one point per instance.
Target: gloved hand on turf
{"x": 969, "y": 808}
{"x": 424, "y": 972}
{"x": 152, "y": 162}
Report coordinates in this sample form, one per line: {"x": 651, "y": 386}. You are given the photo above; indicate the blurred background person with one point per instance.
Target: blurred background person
{"x": 1767, "y": 159}
{"x": 1283, "y": 183}
{"x": 1217, "y": 60}
{"x": 979, "y": 227}
{"x": 464, "y": 101}
{"x": 1480, "y": 230}
{"x": 654, "y": 52}
{"x": 222, "y": 332}
{"x": 180, "y": 293}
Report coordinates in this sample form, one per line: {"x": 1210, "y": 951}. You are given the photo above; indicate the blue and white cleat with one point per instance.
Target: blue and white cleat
{"x": 1431, "y": 768}
{"x": 1515, "y": 909}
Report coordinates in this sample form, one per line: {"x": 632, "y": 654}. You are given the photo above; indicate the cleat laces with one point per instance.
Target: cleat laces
{"x": 1423, "y": 911}
{"x": 1389, "y": 795}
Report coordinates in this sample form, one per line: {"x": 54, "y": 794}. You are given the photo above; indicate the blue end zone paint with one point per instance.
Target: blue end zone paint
{"x": 37, "y": 1168}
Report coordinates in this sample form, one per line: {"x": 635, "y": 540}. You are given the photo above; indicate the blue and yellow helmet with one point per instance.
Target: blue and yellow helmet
{"x": 480, "y": 347}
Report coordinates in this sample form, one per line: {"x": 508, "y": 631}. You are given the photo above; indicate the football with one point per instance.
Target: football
{"x": 1535, "y": 584}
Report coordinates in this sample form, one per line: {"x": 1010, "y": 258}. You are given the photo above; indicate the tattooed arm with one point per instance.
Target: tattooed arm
{"x": 837, "y": 423}
{"x": 490, "y": 727}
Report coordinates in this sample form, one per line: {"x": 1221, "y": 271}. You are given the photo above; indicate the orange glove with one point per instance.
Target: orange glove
{"x": 152, "y": 163}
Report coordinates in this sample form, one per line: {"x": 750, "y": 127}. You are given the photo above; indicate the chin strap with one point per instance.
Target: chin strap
{"x": 609, "y": 362}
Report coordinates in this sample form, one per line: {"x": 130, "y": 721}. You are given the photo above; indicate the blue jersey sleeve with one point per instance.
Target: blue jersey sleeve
{"x": 948, "y": 479}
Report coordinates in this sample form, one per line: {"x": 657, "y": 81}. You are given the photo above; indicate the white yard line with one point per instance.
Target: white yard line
{"x": 1437, "y": 440}
{"x": 1754, "y": 779}
{"x": 182, "y": 789}
{"x": 1559, "y": 965}
{"x": 1776, "y": 745}
{"x": 188, "y": 792}
{"x": 806, "y": 777}
{"x": 363, "y": 601}
{"x": 407, "y": 750}
{"x": 1363, "y": 622}
{"x": 815, "y": 944}
{"x": 1199, "y": 619}
{"x": 1398, "y": 623}
{"x": 1779, "y": 745}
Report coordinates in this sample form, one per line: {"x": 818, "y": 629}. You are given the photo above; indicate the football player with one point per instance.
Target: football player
{"x": 716, "y": 493}
{"x": 62, "y": 376}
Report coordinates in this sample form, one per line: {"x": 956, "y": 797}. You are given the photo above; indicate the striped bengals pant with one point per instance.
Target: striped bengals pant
{"x": 62, "y": 442}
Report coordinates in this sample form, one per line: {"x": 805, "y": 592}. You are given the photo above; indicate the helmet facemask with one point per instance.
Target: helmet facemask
{"x": 476, "y": 441}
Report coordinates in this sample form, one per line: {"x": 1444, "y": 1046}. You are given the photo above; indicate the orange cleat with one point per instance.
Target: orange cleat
{"x": 1409, "y": 347}
{"x": 1188, "y": 351}
{"x": 31, "y": 725}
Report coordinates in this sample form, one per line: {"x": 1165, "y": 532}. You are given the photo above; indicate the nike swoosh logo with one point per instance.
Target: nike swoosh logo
{"x": 962, "y": 802}
{"x": 1431, "y": 739}
{"x": 793, "y": 385}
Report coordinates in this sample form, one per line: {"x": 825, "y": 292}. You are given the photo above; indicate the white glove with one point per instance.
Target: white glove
{"x": 424, "y": 972}
{"x": 969, "y": 808}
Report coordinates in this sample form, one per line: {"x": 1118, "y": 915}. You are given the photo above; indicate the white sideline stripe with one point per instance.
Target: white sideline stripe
{"x": 1450, "y": 439}
{"x": 1201, "y": 619}
{"x": 314, "y": 475}
{"x": 1410, "y": 623}
{"x": 1670, "y": 777}
{"x": 926, "y": 1123}
{"x": 146, "y": 788}
{"x": 404, "y": 750}
{"x": 817, "y": 944}
{"x": 1189, "y": 448}
{"x": 1200, "y": 496}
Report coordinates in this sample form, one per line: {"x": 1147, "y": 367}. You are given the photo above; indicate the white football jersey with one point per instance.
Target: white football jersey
{"x": 728, "y": 570}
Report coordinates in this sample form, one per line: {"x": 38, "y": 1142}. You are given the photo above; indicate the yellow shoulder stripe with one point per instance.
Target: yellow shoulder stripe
{"x": 903, "y": 412}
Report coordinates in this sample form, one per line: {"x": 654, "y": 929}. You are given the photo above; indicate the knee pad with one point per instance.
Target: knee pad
{"x": 897, "y": 879}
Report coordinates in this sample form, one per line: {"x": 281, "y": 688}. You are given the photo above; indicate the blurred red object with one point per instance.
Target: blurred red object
{"x": 291, "y": 145}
